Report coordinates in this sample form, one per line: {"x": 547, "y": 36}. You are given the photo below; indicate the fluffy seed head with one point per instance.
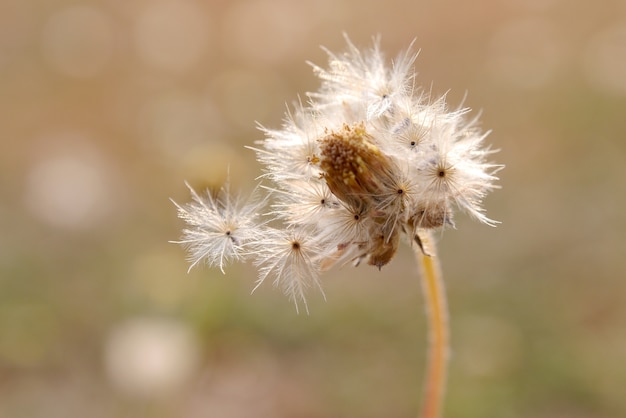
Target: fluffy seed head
{"x": 369, "y": 159}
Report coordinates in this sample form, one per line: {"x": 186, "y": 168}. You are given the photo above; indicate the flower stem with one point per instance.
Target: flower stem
{"x": 438, "y": 333}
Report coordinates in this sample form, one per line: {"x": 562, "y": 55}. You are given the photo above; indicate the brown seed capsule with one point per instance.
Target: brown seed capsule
{"x": 354, "y": 168}
{"x": 383, "y": 249}
{"x": 360, "y": 175}
{"x": 432, "y": 216}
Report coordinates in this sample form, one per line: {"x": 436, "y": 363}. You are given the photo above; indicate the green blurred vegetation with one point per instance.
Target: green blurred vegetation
{"x": 107, "y": 107}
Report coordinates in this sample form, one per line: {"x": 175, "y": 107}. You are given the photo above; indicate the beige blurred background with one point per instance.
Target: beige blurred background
{"x": 106, "y": 107}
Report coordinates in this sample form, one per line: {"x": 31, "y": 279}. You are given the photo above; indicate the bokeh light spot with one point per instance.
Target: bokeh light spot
{"x": 70, "y": 187}
{"x": 150, "y": 357}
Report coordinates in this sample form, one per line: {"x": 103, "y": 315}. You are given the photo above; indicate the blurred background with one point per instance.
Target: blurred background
{"x": 107, "y": 107}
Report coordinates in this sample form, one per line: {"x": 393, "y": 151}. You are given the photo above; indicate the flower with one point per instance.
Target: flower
{"x": 221, "y": 227}
{"x": 289, "y": 256}
{"x": 370, "y": 159}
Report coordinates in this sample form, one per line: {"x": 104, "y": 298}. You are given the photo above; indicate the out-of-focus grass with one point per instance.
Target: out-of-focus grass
{"x": 107, "y": 107}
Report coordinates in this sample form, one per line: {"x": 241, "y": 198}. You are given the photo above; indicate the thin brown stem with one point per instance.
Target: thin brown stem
{"x": 438, "y": 333}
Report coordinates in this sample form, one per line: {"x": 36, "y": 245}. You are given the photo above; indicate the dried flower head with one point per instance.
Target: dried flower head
{"x": 220, "y": 227}
{"x": 370, "y": 158}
